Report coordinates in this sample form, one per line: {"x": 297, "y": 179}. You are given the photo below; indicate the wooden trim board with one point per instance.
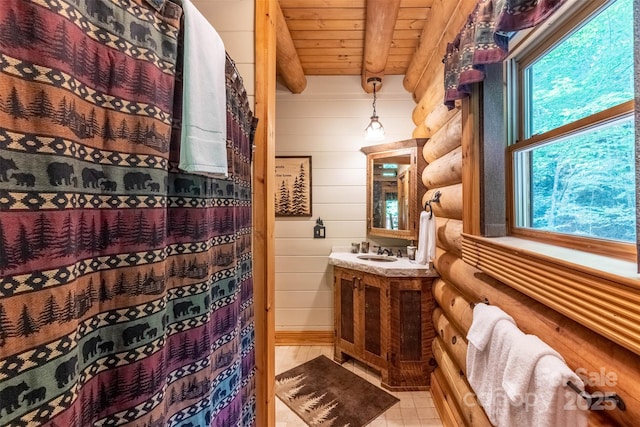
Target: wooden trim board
{"x": 603, "y": 302}
{"x": 263, "y": 210}
{"x": 304, "y": 338}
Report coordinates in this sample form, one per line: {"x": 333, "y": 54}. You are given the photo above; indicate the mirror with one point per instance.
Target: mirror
{"x": 391, "y": 190}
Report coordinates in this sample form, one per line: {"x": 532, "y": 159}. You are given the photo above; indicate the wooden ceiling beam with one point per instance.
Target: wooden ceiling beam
{"x": 381, "y": 21}
{"x": 287, "y": 60}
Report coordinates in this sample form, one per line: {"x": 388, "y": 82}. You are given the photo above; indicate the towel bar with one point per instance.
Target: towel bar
{"x": 595, "y": 402}
{"x": 485, "y": 300}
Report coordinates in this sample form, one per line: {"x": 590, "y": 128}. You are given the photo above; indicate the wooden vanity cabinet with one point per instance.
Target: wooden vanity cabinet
{"x": 385, "y": 323}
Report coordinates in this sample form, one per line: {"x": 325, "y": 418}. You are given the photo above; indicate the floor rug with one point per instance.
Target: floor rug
{"x": 324, "y": 394}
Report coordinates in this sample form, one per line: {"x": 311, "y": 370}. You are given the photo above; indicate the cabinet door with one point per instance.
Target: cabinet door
{"x": 411, "y": 334}
{"x": 410, "y": 310}
{"x": 374, "y": 300}
{"x": 346, "y": 293}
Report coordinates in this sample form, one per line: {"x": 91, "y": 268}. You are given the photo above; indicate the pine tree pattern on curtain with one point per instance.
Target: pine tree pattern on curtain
{"x": 484, "y": 40}
{"x": 125, "y": 285}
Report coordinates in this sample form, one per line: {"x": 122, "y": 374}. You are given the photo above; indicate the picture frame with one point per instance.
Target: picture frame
{"x": 293, "y": 186}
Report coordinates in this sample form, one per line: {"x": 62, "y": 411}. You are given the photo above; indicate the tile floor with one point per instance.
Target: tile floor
{"x": 415, "y": 408}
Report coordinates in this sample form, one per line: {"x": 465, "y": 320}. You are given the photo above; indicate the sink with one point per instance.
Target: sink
{"x": 381, "y": 258}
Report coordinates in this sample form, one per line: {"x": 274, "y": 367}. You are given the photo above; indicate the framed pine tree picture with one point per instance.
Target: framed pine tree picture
{"x": 293, "y": 186}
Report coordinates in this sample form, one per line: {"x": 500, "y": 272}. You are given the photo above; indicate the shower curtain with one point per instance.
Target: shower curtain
{"x": 125, "y": 285}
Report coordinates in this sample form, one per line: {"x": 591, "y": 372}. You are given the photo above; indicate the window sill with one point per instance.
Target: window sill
{"x": 596, "y": 291}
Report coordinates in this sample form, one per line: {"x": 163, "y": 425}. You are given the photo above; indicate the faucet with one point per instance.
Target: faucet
{"x": 384, "y": 251}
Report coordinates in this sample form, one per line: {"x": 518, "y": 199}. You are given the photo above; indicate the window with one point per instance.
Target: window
{"x": 571, "y": 157}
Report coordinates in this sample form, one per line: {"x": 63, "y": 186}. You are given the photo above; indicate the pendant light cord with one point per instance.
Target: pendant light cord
{"x": 374, "y": 99}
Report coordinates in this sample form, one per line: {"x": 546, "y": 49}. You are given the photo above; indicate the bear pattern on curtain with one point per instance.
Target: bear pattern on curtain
{"x": 125, "y": 285}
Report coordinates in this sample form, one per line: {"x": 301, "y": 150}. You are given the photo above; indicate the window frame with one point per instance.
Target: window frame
{"x": 526, "y": 47}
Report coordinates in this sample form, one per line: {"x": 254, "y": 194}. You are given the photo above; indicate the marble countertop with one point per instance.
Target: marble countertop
{"x": 403, "y": 267}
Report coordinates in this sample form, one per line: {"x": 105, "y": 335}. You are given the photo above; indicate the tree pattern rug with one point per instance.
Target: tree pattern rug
{"x": 324, "y": 394}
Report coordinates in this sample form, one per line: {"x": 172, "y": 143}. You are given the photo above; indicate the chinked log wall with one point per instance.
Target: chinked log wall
{"x": 460, "y": 285}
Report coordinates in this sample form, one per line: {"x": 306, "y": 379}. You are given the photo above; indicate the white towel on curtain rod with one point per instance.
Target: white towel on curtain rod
{"x": 203, "y": 146}
{"x": 426, "y": 238}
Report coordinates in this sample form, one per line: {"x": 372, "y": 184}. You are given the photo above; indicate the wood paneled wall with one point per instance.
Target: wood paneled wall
{"x": 327, "y": 122}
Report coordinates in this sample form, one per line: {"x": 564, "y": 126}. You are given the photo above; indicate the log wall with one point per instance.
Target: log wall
{"x": 460, "y": 285}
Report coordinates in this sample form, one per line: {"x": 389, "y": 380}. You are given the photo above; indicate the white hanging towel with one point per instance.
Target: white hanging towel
{"x": 521, "y": 364}
{"x": 518, "y": 379}
{"x": 484, "y": 320}
{"x": 203, "y": 146}
{"x": 426, "y": 239}
{"x": 534, "y": 381}
{"x": 490, "y": 338}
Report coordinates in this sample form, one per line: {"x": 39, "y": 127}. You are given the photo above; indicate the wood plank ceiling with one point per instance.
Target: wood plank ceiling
{"x": 370, "y": 38}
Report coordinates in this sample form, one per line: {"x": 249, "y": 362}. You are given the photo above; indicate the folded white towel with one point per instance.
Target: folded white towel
{"x": 426, "y": 239}
{"x": 203, "y": 146}
{"x": 521, "y": 364}
{"x": 485, "y": 318}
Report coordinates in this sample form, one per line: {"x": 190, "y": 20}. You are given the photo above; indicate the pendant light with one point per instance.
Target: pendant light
{"x": 375, "y": 130}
